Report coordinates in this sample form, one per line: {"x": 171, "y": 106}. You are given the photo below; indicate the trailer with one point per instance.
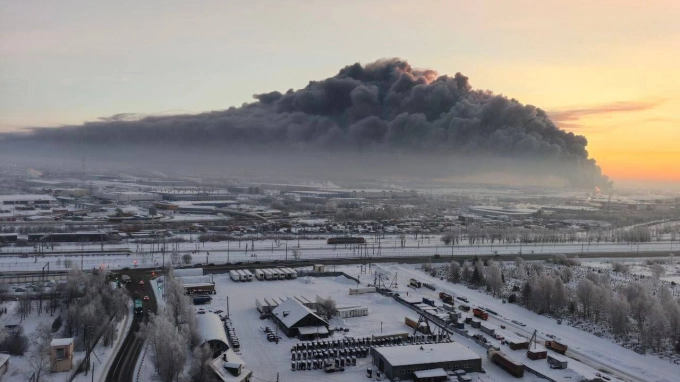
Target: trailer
{"x": 353, "y": 311}
{"x": 242, "y": 275}
{"x": 557, "y": 362}
{"x": 248, "y": 274}
{"x": 513, "y": 367}
{"x": 290, "y": 273}
{"x": 428, "y": 301}
{"x": 278, "y": 274}
{"x": 354, "y": 291}
{"x": 262, "y": 306}
{"x": 556, "y": 346}
{"x": 422, "y": 327}
{"x": 235, "y": 275}
{"x": 268, "y": 275}
{"x": 488, "y": 329}
{"x": 259, "y": 274}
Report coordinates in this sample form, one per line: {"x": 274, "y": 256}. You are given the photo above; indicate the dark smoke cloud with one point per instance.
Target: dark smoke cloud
{"x": 386, "y": 106}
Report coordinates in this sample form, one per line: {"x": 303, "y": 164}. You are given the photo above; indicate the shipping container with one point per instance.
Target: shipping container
{"x": 248, "y": 274}
{"x": 556, "y": 346}
{"x": 513, "y": 367}
{"x": 354, "y": 291}
{"x": 428, "y": 301}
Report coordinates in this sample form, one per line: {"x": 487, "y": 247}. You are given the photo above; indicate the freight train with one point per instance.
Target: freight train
{"x": 346, "y": 240}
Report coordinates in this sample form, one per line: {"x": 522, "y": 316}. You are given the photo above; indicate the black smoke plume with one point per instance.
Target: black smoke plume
{"x": 384, "y": 107}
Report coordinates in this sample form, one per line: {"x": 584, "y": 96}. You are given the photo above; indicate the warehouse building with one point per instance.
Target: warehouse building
{"x": 404, "y": 361}
{"x": 295, "y": 319}
{"x": 211, "y": 333}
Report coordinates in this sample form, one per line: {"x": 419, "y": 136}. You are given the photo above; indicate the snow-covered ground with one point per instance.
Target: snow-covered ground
{"x": 102, "y": 356}
{"x": 598, "y": 353}
{"x": 268, "y": 359}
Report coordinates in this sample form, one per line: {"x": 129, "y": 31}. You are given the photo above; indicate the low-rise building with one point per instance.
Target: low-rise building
{"x": 403, "y": 361}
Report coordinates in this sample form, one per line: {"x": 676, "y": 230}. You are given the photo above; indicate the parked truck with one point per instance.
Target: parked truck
{"x": 447, "y": 298}
{"x": 480, "y": 314}
{"x": 415, "y": 283}
{"x": 556, "y": 346}
{"x": 513, "y": 367}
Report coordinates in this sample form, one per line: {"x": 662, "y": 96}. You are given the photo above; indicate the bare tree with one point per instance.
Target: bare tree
{"x": 39, "y": 356}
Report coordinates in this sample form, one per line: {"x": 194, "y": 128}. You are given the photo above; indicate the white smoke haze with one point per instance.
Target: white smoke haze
{"x": 383, "y": 120}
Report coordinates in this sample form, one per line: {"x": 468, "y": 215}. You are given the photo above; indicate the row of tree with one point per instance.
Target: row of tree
{"x": 171, "y": 333}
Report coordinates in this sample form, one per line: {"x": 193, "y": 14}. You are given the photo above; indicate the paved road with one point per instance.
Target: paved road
{"x": 123, "y": 367}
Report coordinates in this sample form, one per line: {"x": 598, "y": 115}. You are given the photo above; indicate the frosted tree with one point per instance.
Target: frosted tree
{"x": 466, "y": 273}
{"x": 454, "y": 272}
{"x": 585, "y": 290}
{"x": 169, "y": 346}
{"x": 559, "y": 295}
{"x": 494, "y": 279}
{"x": 656, "y": 326}
{"x": 618, "y": 316}
{"x": 657, "y": 271}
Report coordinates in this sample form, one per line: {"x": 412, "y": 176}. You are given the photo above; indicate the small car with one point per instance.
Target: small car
{"x": 146, "y": 298}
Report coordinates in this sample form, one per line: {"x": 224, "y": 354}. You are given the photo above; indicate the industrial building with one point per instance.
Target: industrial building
{"x": 73, "y": 237}
{"x": 403, "y": 361}
{"x": 501, "y": 211}
{"x": 295, "y": 319}
{"x": 211, "y": 333}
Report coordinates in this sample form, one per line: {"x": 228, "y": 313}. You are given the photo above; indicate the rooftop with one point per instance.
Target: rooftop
{"x": 430, "y": 353}
{"x": 432, "y": 373}
{"x": 61, "y": 341}
{"x": 210, "y": 328}
{"x": 290, "y": 312}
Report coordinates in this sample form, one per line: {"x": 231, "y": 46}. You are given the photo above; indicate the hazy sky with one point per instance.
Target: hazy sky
{"x": 607, "y": 69}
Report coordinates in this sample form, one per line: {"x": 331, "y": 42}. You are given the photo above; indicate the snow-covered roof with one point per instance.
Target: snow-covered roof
{"x": 61, "y": 341}
{"x": 232, "y": 360}
{"x": 187, "y": 272}
{"x": 431, "y": 373}
{"x": 4, "y": 358}
{"x": 290, "y": 312}
{"x": 431, "y": 353}
{"x": 187, "y": 280}
{"x": 210, "y": 328}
